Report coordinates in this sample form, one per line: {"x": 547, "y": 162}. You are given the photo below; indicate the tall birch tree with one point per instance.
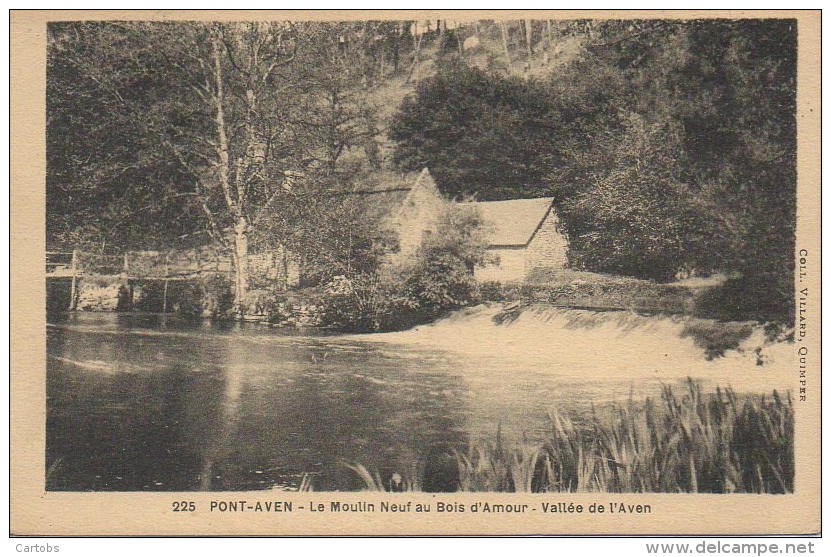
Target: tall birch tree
{"x": 212, "y": 99}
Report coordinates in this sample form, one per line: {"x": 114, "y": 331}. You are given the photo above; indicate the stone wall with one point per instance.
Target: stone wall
{"x": 298, "y": 315}
{"x": 508, "y": 265}
{"x": 549, "y": 247}
{"x": 418, "y": 216}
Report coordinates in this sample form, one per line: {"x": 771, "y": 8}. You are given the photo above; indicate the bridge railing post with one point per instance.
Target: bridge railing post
{"x": 73, "y": 269}
{"x": 166, "y": 273}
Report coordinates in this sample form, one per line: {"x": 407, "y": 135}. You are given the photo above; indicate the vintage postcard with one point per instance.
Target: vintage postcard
{"x": 415, "y": 273}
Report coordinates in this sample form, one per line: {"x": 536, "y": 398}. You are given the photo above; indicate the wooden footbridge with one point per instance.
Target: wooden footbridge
{"x": 131, "y": 268}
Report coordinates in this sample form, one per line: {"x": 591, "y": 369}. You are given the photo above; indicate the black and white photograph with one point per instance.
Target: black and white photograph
{"x": 415, "y": 273}
{"x": 437, "y": 255}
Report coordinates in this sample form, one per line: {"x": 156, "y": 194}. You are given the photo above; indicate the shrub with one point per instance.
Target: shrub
{"x": 491, "y": 291}
{"x": 188, "y": 298}
{"x": 259, "y": 302}
{"x": 754, "y": 296}
{"x": 277, "y": 308}
{"x": 439, "y": 282}
{"x": 218, "y": 296}
{"x": 148, "y": 296}
{"x": 301, "y": 308}
{"x": 438, "y": 277}
{"x": 349, "y": 304}
{"x": 368, "y": 303}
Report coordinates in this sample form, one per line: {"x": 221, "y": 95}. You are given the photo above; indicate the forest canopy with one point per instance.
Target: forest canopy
{"x": 668, "y": 145}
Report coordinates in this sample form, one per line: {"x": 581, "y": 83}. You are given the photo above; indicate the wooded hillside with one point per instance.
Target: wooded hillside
{"x": 669, "y": 145}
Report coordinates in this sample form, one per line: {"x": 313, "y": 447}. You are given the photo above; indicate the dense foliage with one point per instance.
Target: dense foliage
{"x": 670, "y": 146}
{"x": 479, "y": 134}
{"x": 160, "y": 133}
{"x": 438, "y": 278}
{"x": 136, "y": 151}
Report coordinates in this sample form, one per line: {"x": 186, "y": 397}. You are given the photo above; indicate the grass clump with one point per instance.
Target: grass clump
{"x": 684, "y": 442}
{"x": 396, "y": 482}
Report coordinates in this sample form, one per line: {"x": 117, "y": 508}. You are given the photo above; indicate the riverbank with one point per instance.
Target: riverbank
{"x": 609, "y": 345}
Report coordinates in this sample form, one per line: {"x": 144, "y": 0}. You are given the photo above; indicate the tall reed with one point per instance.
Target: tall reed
{"x": 687, "y": 441}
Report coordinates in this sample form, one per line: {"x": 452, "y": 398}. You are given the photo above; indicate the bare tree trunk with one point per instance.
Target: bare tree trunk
{"x": 241, "y": 263}
{"x": 285, "y": 267}
{"x": 414, "y": 69}
{"x": 395, "y": 47}
{"x": 503, "y": 26}
{"x": 240, "y": 248}
{"x": 547, "y": 56}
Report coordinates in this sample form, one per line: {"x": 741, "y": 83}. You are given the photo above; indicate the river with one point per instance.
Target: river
{"x": 153, "y": 403}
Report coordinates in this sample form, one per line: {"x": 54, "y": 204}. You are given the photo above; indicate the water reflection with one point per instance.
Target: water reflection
{"x": 145, "y": 403}
{"x": 149, "y": 402}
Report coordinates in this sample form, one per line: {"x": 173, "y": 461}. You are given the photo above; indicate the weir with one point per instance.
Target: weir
{"x": 588, "y": 345}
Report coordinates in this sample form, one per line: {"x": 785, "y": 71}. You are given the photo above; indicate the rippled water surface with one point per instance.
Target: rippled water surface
{"x": 146, "y": 402}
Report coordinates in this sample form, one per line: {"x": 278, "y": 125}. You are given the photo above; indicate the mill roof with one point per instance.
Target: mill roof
{"x": 513, "y": 222}
{"x": 382, "y": 194}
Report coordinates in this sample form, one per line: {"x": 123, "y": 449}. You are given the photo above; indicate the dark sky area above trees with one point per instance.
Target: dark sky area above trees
{"x": 667, "y": 144}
